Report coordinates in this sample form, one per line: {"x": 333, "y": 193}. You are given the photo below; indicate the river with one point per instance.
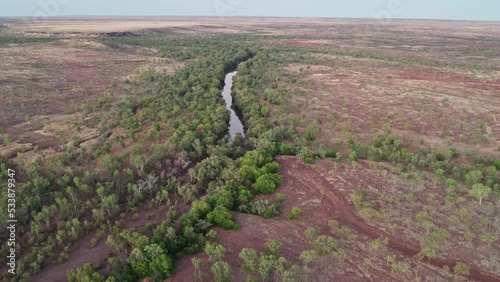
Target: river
{"x": 235, "y": 124}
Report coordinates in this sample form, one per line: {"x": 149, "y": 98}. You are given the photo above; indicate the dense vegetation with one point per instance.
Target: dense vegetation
{"x": 179, "y": 127}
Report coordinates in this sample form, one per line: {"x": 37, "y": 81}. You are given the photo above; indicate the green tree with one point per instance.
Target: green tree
{"x": 451, "y": 184}
{"x": 439, "y": 177}
{"x": 215, "y": 251}
{"x": 473, "y": 177}
{"x": 488, "y": 238}
{"x": 151, "y": 261}
{"x": 86, "y": 273}
{"x": 461, "y": 269}
{"x": 221, "y": 217}
{"x": 250, "y": 259}
{"x": 138, "y": 161}
{"x": 280, "y": 267}
{"x": 110, "y": 204}
{"x": 221, "y": 271}
{"x": 110, "y": 164}
{"x": 324, "y": 244}
{"x": 198, "y": 264}
{"x": 427, "y": 225}
{"x": 267, "y": 183}
{"x": 310, "y": 132}
{"x": 272, "y": 247}
{"x": 161, "y": 267}
{"x": 353, "y": 156}
{"x": 400, "y": 267}
{"x": 280, "y": 197}
{"x": 293, "y": 274}
{"x": 469, "y": 235}
{"x": 266, "y": 264}
{"x": 307, "y": 257}
{"x": 340, "y": 254}
{"x": 311, "y": 232}
{"x": 429, "y": 249}
{"x": 377, "y": 246}
{"x": 295, "y": 213}
{"x": 480, "y": 192}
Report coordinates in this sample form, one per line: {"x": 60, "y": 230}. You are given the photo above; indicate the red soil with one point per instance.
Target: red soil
{"x": 302, "y": 187}
{"x": 83, "y": 253}
{"x": 345, "y": 214}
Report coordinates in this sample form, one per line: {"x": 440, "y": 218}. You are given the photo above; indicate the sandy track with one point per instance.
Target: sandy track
{"x": 343, "y": 211}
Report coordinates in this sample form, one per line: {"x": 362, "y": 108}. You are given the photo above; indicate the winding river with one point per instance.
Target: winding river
{"x": 235, "y": 124}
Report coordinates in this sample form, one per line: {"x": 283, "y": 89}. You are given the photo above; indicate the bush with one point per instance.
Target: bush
{"x": 287, "y": 150}
{"x": 267, "y": 183}
{"x": 461, "y": 269}
{"x": 280, "y": 198}
{"x": 272, "y": 247}
{"x": 488, "y": 238}
{"x": 262, "y": 208}
{"x": 308, "y": 160}
{"x": 331, "y": 154}
{"x": 324, "y": 244}
{"x": 296, "y": 211}
{"x": 310, "y": 132}
{"x": 496, "y": 164}
{"x": 270, "y": 168}
{"x": 84, "y": 273}
{"x": 7, "y": 140}
{"x": 221, "y": 217}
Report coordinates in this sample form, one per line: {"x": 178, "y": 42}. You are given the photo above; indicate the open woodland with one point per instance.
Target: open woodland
{"x": 371, "y": 151}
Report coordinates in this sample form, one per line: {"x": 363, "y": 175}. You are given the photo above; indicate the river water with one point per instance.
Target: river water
{"x": 235, "y": 124}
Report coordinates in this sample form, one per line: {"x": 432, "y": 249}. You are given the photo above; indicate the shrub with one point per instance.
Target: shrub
{"x": 310, "y": 132}
{"x": 496, "y": 164}
{"x": 84, "y": 273}
{"x": 287, "y": 150}
{"x": 488, "y": 238}
{"x": 272, "y": 247}
{"x": 294, "y": 214}
{"x": 221, "y": 217}
{"x": 324, "y": 244}
{"x": 267, "y": 183}
{"x": 262, "y": 208}
{"x": 280, "y": 197}
{"x": 7, "y": 140}
{"x": 331, "y": 154}
{"x": 221, "y": 271}
{"x": 308, "y": 160}
{"x": 461, "y": 269}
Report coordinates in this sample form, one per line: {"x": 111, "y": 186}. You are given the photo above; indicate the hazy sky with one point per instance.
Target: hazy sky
{"x": 418, "y": 9}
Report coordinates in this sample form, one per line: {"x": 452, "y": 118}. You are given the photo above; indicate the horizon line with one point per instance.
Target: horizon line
{"x": 242, "y": 16}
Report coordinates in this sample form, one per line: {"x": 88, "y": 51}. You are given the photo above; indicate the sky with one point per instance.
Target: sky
{"x": 486, "y": 10}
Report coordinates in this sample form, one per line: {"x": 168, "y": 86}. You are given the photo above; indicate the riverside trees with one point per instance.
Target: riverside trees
{"x": 189, "y": 120}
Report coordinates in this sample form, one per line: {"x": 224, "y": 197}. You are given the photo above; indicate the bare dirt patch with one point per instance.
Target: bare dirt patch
{"x": 48, "y": 84}
{"x": 321, "y": 201}
{"x": 83, "y": 252}
{"x": 358, "y": 96}
{"x": 55, "y": 77}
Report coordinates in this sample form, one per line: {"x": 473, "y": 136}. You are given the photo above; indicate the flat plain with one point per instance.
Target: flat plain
{"x": 384, "y": 132}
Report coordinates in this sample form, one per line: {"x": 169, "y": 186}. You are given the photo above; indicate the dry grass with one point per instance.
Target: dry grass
{"x": 46, "y": 83}
{"x": 357, "y": 97}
